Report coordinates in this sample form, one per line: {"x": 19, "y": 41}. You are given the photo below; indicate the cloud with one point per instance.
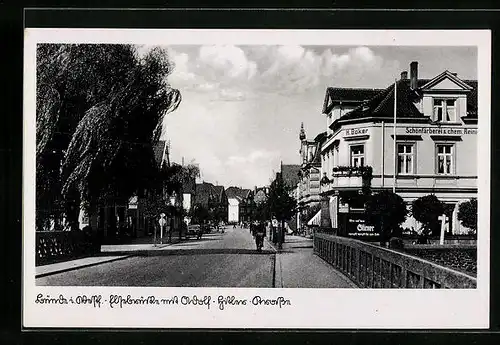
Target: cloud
{"x": 235, "y": 72}
{"x": 252, "y": 157}
{"x": 253, "y": 169}
{"x": 225, "y": 61}
{"x": 229, "y": 95}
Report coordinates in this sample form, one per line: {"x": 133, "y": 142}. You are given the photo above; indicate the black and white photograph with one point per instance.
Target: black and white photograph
{"x": 240, "y": 173}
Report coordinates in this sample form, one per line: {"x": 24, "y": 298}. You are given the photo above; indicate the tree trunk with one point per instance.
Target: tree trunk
{"x": 73, "y": 210}
{"x": 282, "y": 231}
{"x": 383, "y": 235}
{"x": 181, "y": 227}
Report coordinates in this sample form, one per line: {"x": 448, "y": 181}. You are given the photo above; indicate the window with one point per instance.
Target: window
{"x": 444, "y": 159}
{"x": 405, "y": 159}
{"x": 357, "y": 155}
{"x": 444, "y": 110}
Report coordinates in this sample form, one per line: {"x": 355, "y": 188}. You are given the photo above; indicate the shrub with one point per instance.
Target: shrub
{"x": 467, "y": 214}
{"x": 386, "y": 211}
{"x": 426, "y": 210}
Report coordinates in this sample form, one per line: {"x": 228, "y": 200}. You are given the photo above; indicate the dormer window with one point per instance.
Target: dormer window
{"x": 445, "y": 110}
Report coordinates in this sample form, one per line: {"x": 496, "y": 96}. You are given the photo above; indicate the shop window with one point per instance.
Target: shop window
{"x": 444, "y": 159}
{"x": 406, "y": 159}
{"x": 357, "y": 155}
{"x": 444, "y": 110}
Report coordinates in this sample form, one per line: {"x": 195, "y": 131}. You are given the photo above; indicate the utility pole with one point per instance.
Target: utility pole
{"x": 395, "y": 143}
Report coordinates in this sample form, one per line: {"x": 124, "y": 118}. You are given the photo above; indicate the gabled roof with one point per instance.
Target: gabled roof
{"x": 237, "y": 193}
{"x": 204, "y": 193}
{"x": 290, "y": 174}
{"x": 219, "y": 194}
{"x": 382, "y": 104}
{"x": 260, "y": 194}
{"x": 336, "y": 95}
{"x": 446, "y": 75}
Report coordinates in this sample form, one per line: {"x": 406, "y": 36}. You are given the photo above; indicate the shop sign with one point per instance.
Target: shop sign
{"x": 355, "y": 226}
{"x": 355, "y": 131}
{"x": 343, "y": 208}
{"x": 440, "y": 130}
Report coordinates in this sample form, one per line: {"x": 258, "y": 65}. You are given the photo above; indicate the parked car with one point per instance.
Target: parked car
{"x": 193, "y": 230}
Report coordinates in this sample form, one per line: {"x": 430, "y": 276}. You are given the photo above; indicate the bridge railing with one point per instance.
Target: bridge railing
{"x": 371, "y": 266}
{"x": 52, "y": 246}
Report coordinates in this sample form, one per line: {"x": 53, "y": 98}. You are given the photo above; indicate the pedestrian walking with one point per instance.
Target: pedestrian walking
{"x": 281, "y": 236}
{"x": 162, "y": 222}
{"x": 274, "y": 226}
{"x": 260, "y": 233}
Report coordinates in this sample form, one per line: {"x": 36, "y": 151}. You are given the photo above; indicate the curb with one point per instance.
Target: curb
{"x": 152, "y": 245}
{"x": 62, "y": 270}
{"x": 278, "y": 270}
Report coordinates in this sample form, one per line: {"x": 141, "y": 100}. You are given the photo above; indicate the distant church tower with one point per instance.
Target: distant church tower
{"x": 302, "y": 135}
{"x": 303, "y": 143}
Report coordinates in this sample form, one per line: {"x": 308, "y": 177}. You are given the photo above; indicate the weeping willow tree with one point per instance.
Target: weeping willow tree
{"x": 99, "y": 115}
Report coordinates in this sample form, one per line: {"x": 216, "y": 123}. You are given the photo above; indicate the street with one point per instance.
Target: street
{"x": 226, "y": 259}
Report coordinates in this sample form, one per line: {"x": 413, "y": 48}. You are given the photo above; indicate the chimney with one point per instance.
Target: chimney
{"x": 404, "y": 75}
{"x": 414, "y": 75}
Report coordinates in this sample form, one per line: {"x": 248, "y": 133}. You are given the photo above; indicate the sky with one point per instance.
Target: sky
{"x": 242, "y": 106}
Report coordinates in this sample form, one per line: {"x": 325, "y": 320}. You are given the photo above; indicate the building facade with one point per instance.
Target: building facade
{"x": 212, "y": 198}
{"x": 308, "y": 187}
{"x": 431, "y": 148}
{"x": 291, "y": 175}
{"x": 240, "y": 203}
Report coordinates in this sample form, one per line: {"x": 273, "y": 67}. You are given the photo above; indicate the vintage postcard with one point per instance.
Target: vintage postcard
{"x": 283, "y": 179}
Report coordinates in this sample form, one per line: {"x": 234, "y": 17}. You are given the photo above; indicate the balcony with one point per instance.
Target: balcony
{"x": 347, "y": 178}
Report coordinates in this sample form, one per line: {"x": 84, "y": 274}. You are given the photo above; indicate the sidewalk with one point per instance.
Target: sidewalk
{"x": 64, "y": 266}
{"x": 121, "y": 251}
{"x": 141, "y": 244}
{"x": 298, "y": 267}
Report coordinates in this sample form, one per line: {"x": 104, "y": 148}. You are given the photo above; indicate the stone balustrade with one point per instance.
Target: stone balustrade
{"x": 371, "y": 266}
{"x": 52, "y": 246}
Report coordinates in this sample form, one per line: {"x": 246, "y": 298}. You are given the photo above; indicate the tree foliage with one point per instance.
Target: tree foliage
{"x": 99, "y": 115}
{"x": 281, "y": 203}
{"x": 260, "y": 211}
{"x": 426, "y": 210}
{"x": 386, "y": 211}
{"x": 200, "y": 214}
{"x": 467, "y": 214}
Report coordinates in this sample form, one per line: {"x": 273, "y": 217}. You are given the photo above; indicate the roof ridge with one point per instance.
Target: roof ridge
{"x": 355, "y": 88}
{"x": 390, "y": 94}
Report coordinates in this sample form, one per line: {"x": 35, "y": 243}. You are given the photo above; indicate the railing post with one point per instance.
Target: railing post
{"x": 404, "y": 274}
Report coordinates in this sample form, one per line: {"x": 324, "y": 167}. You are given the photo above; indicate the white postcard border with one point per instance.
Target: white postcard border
{"x": 311, "y": 308}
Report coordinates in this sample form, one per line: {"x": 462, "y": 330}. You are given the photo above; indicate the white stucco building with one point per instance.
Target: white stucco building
{"x": 435, "y": 138}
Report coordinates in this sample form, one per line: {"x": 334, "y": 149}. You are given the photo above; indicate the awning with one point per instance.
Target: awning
{"x": 316, "y": 220}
